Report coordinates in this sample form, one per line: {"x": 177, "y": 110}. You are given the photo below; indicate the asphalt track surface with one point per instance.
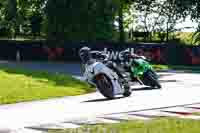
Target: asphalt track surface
{"x": 180, "y": 92}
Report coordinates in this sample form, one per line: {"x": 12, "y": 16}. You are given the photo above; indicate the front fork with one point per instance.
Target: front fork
{"x": 137, "y": 78}
{"x": 140, "y": 81}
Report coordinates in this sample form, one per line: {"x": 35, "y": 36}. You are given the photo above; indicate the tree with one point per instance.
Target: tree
{"x": 169, "y": 12}
{"x": 16, "y": 15}
{"x": 121, "y": 22}
{"x": 81, "y": 20}
{"x": 65, "y": 19}
{"x": 36, "y": 23}
{"x": 196, "y": 37}
{"x": 144, "y": 10}
{"x": 192, "y": 8}
{"x": 157, "y": 16}
{"x": 32, "y": 15}
{"x": 123, "y": 8}
{"x": 3, "y": 28}
{"x": 11, "y": 16}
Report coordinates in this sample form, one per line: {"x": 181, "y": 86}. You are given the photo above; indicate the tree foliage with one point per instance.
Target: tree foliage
{"x": 158, "y": 16}
{"x": 16, "y": 15}
{"x": 192, "y": 8}
{"x": 91, "y": 20}
{"x": 123, "y": 9}
{"x": 81, "y": 20}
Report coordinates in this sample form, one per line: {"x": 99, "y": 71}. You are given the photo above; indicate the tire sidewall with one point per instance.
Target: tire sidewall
{"x": 106, "y": 92}
{"x": 150, "y": 79}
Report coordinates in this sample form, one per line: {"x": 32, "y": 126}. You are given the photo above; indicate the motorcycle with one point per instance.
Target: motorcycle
{"x": 104, "y": 78}
{"x": 141, "y": 70}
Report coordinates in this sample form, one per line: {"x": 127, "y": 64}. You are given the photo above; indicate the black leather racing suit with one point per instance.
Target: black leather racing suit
{"x": 112, "y": 65}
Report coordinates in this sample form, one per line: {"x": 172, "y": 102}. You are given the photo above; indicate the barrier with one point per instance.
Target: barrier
{"x": 68, "y": 51}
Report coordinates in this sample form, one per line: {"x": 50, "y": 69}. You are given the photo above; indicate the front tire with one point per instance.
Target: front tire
{"x": 105, "y": 86}
{"x": 150, "y": 80}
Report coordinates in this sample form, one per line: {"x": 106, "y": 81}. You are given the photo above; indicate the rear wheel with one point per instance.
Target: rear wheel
{"x": 105, "y": 86}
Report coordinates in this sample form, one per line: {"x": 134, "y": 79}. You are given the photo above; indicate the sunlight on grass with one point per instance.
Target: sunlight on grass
{"x": 176, "y": 67}
{"x": 21, "y": 85}
{"x": 161, "y": 67}
{"x": 196, "y": 113}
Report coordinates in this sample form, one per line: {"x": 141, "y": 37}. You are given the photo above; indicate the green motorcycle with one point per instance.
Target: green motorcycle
{"x": 141, "y": 70}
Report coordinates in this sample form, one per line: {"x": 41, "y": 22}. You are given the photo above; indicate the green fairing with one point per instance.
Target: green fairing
{"x": 139, "y": 67}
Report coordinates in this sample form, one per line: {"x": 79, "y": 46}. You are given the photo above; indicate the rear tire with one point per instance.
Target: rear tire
{"x": 105, "y": 86}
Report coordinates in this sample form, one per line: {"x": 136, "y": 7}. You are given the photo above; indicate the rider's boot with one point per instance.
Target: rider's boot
{"x": 127, "y": 90}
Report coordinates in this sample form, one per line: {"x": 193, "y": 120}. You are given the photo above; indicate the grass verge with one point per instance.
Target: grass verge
{"x": 163, "y": 125}
{"x": 177, "y": 67}
{"x": 160, "y": 67}
{"x": 17, "y": 85}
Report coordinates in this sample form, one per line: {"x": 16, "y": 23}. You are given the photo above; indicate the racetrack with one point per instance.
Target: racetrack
{"x": 180, "y": 96}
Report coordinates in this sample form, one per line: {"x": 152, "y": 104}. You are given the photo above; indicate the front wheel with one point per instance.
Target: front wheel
{"x": 105, "y": 86}
{"x": 150, "y": 80}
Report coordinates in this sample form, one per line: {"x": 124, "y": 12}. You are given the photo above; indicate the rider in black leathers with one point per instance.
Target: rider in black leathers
{"x": 87, "y": 55}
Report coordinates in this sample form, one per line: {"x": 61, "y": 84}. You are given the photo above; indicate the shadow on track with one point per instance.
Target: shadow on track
{"x": 166, "y": 74}
{"x": 101, "y": 100}
{"x": 145, "y": 89}
{"x": 120, "y": 97}
{"x": 168, "y": 81}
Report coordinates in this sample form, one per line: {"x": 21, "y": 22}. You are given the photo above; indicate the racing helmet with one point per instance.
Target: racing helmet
{"x": 125, "y": 54}
{"x": 85, "y": 54}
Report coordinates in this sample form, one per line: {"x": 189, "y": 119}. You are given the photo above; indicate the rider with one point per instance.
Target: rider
{"x": 128, "y": 60}
{"x": 126, "y": 55}
{"x": 87, "y": 55}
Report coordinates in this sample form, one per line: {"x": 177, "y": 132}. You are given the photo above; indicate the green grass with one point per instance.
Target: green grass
{"x": 177, "y": 67}
{"x": 196, "y": 113}
{"x": 161, "y": 67}
{"x": 23, "y": 85}
{"x": 181, "y": 67}
{"x": 164, "y": 125}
